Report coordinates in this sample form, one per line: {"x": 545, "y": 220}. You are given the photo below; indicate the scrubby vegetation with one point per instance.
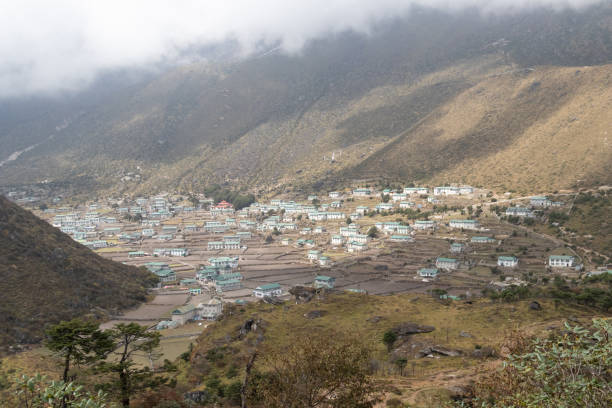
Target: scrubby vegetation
{"x": 568, "y": 369}
{"x": 359, "y": 350}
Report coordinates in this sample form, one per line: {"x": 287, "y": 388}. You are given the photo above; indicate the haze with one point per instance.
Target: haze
{"x": 50, "y": 47}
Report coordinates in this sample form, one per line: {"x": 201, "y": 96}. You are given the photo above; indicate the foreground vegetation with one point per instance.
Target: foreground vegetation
{"x": 569, "y": 369}
{"x": 339, "y": 350}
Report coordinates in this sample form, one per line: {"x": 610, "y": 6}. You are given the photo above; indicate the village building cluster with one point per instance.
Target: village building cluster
{"x": 207, "y": 248}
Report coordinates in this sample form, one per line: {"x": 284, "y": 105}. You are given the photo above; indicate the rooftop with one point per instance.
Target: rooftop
{"x": 269, "y": 286}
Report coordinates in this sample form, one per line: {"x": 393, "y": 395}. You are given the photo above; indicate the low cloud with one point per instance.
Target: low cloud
{"x": 62, "y": 45}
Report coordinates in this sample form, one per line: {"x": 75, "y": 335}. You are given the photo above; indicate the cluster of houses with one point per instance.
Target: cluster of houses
{"x": 210, "y": 310}
{"x": 536, "y": 202}
{"x": 214, "y": 307}
{"x": 544, "y": 202}
{"x": 94, "y": 226}
{"x": 401, "y": 195}
{"x": 99, "y": 226}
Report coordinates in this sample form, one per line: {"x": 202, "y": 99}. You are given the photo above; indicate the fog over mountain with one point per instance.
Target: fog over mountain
{"x": 48, "y": 47}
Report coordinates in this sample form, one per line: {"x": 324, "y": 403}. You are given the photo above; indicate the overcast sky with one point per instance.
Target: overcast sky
{"x": 56, "y": 45}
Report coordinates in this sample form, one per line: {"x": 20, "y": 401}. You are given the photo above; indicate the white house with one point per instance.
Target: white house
{"x": 336, "y": 215}
{"x": 561, "y": 261}
{"x": 464, "y": 224}
{"x": 184, "y": 314}
{"x": 398, "y": 196}
{"x": 406, "y": 204}
{"x": 403, "y": 229}
{"x": 457, "y": 247}
{"x": 214, "y": 245}
{"x": 444, "y": 190}
{"x": 324, "y": 261}
{"x": 362, "y": 192}
{"x": 362, "y": 209}
{"x": 355, "y": 246}
{"x": 227, "y": 285}
{"x": 447, "y": 263}
{"x": 424, "y": 224}
{"x": 231, "y": 244}
{"x": 270, "y": 289}
{"x": 314, "y": 255}
{"x": 416, "y": 190}
{"x": 507, "y": 261}
{"x": 361, "y": 238}
{"x": 428, "y": 272}
{"x": 179, "y": 252}
{"x": 384, "y": 206}
{"x": 519, "y": 212}
{"x": 327, "y": 282}
{"x": 540, "y": 201}
{"x": 317, "y": 216}
{"x": 212, "y": 309}
{"x": 335, "y": 194}
{"x": 483, "y": 240}
{"x": 224, "y": 262}
{"x": 337, "y": 240}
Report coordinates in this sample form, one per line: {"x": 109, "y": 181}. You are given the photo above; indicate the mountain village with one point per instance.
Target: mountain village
{"x": 454, "y": 241}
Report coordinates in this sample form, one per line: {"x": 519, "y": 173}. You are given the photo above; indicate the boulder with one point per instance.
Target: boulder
{"x": 444, "y": 351}
{"x": 407, "y": 329}
{"x": 535, "y": 305}
{"x": 198, "y": 397}
{"x": 247, "y": 326}
{"x": 484, "y": 352}
{"x": 464, "y": 334}
{"x": 302, "y": 294}
{"x": 439, "y": 350}
{"x": 313, "y": 314}
{"x": 375, "y": 319}
{"x": 272, "y": 300}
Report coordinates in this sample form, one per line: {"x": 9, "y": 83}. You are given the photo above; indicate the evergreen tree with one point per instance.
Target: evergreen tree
{"x": 78, "y": 342}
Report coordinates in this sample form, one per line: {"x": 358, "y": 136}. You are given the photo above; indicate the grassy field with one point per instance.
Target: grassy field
{"x": 459, "y": 325}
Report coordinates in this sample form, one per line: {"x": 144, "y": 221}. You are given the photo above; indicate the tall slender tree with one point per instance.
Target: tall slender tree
{"x": 78, "y": 342}
{"x": 132, "y": 340}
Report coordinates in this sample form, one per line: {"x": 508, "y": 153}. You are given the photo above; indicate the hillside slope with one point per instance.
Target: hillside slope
{"x": 430, "y": 97}
{"x": 468, "y": 328}
{"x": 46, "y": 277}
{"x": 529, "y": 130}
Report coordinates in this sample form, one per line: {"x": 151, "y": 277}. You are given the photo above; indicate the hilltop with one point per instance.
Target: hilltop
{"x": 46, "y": 277}
{"x": 515, "y": 102}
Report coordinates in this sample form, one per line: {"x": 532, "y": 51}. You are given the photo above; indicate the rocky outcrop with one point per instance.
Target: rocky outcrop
{"x": 272, "y": 300}
{"x": 407, "y": 329}
{"x": 314, "y": 314}
{"x": 440, "y": 350}
{"x": 302, "y": 294}
{"x": 535, "y": 305}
